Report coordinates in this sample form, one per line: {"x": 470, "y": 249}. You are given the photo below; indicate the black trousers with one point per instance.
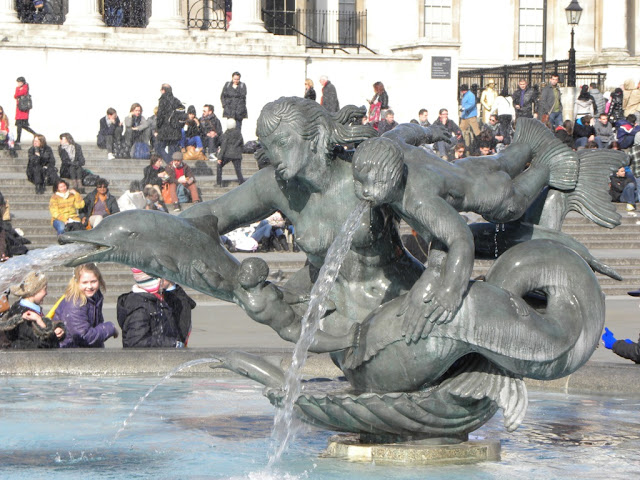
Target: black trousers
{"x": 237, "y": 163}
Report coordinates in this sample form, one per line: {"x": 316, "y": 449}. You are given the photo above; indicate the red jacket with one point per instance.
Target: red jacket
{"x": 4, "y": 126}
{"x": 23, "y": 90}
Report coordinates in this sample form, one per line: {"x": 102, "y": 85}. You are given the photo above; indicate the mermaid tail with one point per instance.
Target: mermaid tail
{"x": 494, "y": 321}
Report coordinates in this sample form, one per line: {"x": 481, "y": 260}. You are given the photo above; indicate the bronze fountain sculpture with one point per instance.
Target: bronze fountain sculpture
{"x": 428, "y": 354}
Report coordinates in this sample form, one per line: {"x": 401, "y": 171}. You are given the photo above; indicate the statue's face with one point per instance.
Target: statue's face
{"x": 288, "y": 151}
{"x": 367, "y": 187}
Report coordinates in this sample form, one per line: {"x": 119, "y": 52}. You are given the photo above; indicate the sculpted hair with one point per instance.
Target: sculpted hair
{"x": 312, "y": 121}
{"x": 382, "y": 156}
{"x": 257, "y": 266}
{"x": 73, "y": 292}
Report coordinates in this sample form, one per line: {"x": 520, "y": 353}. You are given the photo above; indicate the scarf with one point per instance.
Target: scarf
{"x": 64, "y": 195}
{"x": 71, "y": 151}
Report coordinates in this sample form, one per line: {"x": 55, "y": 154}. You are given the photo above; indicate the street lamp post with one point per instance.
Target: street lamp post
{"x": 573, "y": 11}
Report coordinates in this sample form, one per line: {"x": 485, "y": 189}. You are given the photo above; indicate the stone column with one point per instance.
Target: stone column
{"x": 246, "y": 16}
{"x": 167, "y": 15}
{"x": 8, "y": 13}
{"x": 84, "y": 15}
{"x": 614, "y": 28}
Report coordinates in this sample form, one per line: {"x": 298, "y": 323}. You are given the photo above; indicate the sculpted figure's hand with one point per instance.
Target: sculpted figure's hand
{"x": 439, "y": 134}
{"x": 426, "y": 305}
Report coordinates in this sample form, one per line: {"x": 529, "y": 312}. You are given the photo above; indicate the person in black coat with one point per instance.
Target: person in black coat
{"x": 72, "y": 161}
{"x": 152, "y": 317}
{"x": 170, "y": 121}
{"x": 234, "y": 100}
{"x": 41, "y": 168}
{"x": 98, "y": 204}
{"x": 24, "y": 324}
{"x": 623, "y": 348}
{"x": 329, "y": 98}
{"x": 210, "y": 131}
{"x": 155, "y": 173}
{"x": 231, "y": 144}
{"x": 524, "y": 100}
{"x": 309, "y": 92}
{"x": 583, "y": 132}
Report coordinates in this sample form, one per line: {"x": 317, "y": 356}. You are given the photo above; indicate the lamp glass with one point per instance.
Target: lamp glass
{"x": 573, "y": 11}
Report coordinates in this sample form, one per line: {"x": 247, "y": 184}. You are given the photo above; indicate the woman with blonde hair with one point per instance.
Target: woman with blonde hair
{"x": 81, "y": 310}
{"x": 309, "y": 92}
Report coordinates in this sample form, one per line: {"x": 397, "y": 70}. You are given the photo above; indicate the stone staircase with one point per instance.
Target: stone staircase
{"x": 618, "y": 247}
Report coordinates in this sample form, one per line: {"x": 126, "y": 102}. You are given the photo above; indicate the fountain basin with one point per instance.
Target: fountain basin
{"x": 204, "y": 427}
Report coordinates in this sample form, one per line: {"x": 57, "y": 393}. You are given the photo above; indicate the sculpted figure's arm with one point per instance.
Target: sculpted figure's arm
{"x": 413, "y": 134}
{"x": 434, "y": 299}
{"x": 252, "y": 201}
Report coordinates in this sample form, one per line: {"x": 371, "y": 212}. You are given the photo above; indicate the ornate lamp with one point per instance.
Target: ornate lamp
{"x": 573, "y": 11}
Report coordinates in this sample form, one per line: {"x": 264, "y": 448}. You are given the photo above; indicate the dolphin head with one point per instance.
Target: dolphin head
{"x": 124, "y": 237}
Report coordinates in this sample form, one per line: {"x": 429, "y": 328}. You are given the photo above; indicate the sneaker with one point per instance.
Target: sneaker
{"x": 111, "y": 156}
{"x": 176, "y": 207}
{"x": 213, "y": 158}
{"x": 630, "y": 207}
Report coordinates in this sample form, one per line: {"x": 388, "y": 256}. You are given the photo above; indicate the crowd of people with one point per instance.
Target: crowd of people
{"x": 155, "y": 313}
{"x": 175, "y": 134}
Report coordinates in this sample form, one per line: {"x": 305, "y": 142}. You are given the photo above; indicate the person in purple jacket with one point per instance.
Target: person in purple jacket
{"x": 81, "y": 310}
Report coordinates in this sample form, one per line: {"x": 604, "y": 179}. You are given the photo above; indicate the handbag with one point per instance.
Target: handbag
{"x": 190, "y": 153}
{"x": 166, "y": 195}
{"x": 24, "y": 103}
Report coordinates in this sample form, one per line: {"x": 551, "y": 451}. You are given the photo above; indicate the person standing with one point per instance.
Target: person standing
{"x": 487, "y": 99}
{"x": 22, "y": 114}
{"x": 469, "y": 115}
{"x": 550, "y": 104}
{"x": 231, "y": 144}
{"x": 234, "y": 100}
{"x": 170, "y": 120}
{"x": 145, "y": 317}
{"x": 524, "y": 100}
{"x": 309, "y": 92}
{"x": 81, "y": 310}
{"x": 329, "y": 98}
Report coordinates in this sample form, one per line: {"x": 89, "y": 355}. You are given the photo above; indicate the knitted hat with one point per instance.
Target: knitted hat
{"x": 146, "y": 282}
{"x": 32, "y": 284}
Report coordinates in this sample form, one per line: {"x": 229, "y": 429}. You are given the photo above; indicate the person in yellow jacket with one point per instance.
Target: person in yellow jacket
{"x": 64, "y": 206}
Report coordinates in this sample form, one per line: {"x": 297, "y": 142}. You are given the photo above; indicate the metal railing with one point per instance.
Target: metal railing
{"x": 52, "y": 12}
{"x": 509, "y": 75}
{"x": 332, "y": 30}
{"x": 207, "y": 14}
{"x": 128, "y": 13}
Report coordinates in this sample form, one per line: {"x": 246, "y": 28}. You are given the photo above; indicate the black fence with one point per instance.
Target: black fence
{"x": 50, "y": 12}
{"x": 208, "y": 14}
{"x": 125, "y": 13}
{"x": 509, "y": 75}
{"x": 322, "y": 29}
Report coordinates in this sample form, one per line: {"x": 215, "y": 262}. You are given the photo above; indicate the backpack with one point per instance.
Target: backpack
{"x": 178, "y": 116}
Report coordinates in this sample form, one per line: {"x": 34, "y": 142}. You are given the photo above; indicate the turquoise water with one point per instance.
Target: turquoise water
{"x": 212, "y": 428}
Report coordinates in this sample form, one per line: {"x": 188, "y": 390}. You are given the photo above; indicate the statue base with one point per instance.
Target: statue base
{"x": 350, "y": 447}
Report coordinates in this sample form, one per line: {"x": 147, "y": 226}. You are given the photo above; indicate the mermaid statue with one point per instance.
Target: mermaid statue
{"x": 427, "y": 352}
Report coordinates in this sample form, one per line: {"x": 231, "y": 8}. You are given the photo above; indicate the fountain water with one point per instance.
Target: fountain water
{"x": 16, "y": 268}
{"x": 283, "y": 428}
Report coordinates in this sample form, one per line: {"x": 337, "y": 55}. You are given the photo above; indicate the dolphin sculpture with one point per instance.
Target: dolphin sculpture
{"x": 163, "y": 245}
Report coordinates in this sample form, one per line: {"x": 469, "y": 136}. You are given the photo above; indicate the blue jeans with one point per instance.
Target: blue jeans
{"x": 193, "y": 141}
{"x": 556, "y": 119}
{"x": 582, "y": 142}
{"x": 263, "y": 230}
{"x": 162, "y": 147}
{"x": 59, "y": 226}
{"x": 628, "y": 195}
